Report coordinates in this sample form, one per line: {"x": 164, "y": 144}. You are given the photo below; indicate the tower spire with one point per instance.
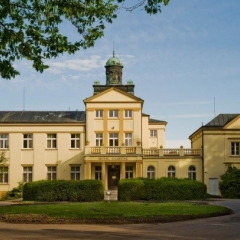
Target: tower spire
{"x": 113, "y": 50}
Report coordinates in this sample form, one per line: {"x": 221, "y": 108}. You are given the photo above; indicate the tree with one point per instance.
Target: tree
{"x": 230, "y": 183}
{"x": 3, "y": 159}
{"x": 30, "y": 29}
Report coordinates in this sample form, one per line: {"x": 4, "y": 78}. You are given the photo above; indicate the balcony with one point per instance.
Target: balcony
{"x": 172, "y": 152}
{"x": 161, "y": 152}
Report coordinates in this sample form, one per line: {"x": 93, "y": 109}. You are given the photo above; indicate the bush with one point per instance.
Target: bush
{"x": 131, "y": 189}
{"x": 15, "y": 193}
{"x": 161, "y": 189}
{"x": 230, "y": 183}
{"x": 64, "y": 190}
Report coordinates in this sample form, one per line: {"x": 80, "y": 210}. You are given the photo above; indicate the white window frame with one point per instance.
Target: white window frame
{"x": 128, "y": 139}
{"x": 51, "y": 140}
{"x": 153, "y": 133}
{"x": 51, "y": 173}
{"x": 235, "y": 147}
{"x": 99, "y": 139}
{"x": 171, "y": 171}
{"x": 128, "y": 114}
{"x": 192, "y": 173}
{"x": 128, "y": 171}
{"x": 113, "y": 113}
{"x": 27, "y": 174}
{"x": 98, "y": 172}
{"x": 28, "y": 141}
{"x": 75, "y": 173}
{"x": 75, "y": 140}
{"x": 4, "y": 174}
{"x": 151, "y": 172}
{"x": 113, "y": 139}
{"x": 4, "y": 140}
{"x": 99, "y": 113}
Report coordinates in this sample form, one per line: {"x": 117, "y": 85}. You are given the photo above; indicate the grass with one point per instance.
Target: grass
{"x": 108, "y": 212}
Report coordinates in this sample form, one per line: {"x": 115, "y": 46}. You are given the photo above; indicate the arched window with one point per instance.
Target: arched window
{"x": 151, "y": 172}
{"x": 192, "y": 172}
{"x": 171, "y": 171}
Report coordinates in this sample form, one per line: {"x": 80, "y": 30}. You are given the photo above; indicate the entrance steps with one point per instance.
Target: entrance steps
{"x": 112, "y": 197}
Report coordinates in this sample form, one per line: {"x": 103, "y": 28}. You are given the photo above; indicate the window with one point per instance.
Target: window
{"x": 4, "y": 141}
{"x": 192, "y": 172}
{"x": 51, "y": 173}
{"x": 27, "y": 174}
{"x": 3, "y": 174}
{"x": 75, "y": 173}
{"x": 51, "y": 140}
{"x": 98, "y": 172}
{"x": 151, "y": 172}
{"x": 129, "y": 172}
{"x": 171, "y": 171}
{"x": 128, "y": 139}
{"x": 235, "y": 148}
{"x": 99, "y": 113}
{"x": 75, "y": 140}
{"x": 99, "y": 139}
{"x": 153, "y": 133}
{"x": 113, "y": 113}
{"x": 128, "y": 113}
{"x": 113, "y": 139}
{"x": 27, "y": 141}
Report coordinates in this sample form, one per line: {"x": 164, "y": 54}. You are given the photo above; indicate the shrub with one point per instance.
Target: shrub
{"x": 230, "y": 183}
{"x": 131, "y": 189}
{"x": 161, "y": 189}
{"x": 15, "y": 193}
{"x": 64, "y": 190}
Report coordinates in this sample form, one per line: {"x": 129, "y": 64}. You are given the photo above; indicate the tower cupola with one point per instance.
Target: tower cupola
{"x": 113, "y": 71}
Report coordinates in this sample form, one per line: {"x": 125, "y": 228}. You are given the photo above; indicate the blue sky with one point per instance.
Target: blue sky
{"x": 179, "y": 60}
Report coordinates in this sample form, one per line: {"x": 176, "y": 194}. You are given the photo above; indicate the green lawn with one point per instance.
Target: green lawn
{"x": 108, "y": 212}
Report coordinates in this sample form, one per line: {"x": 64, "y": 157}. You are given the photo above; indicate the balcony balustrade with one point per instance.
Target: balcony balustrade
{"x": 145, "y": 152}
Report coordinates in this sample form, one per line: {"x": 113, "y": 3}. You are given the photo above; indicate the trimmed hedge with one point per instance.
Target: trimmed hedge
{"x": 160, "y": 189}
{"x": 64, "y": 190}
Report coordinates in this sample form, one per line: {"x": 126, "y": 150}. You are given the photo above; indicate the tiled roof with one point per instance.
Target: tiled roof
{"x": 154, "y": 121}
{"x": 221, "y": 120}
{"x": 42, "y": 116}
{"x": 217, "y": 123}
{"x": 157, "y": 121}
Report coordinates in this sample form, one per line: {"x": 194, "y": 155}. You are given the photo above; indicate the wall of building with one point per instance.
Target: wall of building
{"x": 40, "y": 157}
{"x": 181, "y": 166}
{"x": 217, "y": 155}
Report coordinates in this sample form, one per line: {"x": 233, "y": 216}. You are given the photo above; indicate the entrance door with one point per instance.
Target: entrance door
{"x": 113, "y": 177}
{"x": 213, "y": 186}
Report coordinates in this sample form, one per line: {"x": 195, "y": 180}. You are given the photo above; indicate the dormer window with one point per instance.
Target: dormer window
{"x": 113, "y": 113}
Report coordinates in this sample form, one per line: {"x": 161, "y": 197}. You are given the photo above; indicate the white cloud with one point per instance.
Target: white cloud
{"x": 85, "y": 65}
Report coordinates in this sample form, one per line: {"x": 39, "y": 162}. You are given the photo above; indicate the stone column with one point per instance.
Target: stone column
{"x": 104, "y": 175}
{"x": 88, "y": 170}
{"x": 122, "y": 170}
{"x": 138, "y": 169}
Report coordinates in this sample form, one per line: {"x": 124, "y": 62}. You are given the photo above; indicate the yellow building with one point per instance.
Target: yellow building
{"x": 220, "y": 142}
{"x": 111, "y": 140}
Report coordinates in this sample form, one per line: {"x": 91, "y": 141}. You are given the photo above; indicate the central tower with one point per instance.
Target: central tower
{"x": 113, "y": 71}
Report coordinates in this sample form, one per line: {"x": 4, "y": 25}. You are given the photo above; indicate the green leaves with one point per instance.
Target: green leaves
{"x": 30, "y": 29}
